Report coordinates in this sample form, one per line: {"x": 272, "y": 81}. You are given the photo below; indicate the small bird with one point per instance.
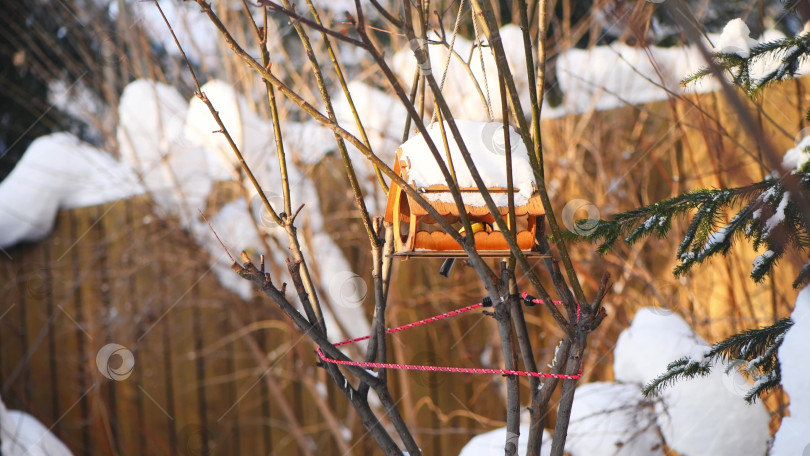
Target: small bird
{"x": 476, "y": 227}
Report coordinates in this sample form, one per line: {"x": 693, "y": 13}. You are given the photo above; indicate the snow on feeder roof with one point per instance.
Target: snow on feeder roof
{"x": 417, "y": 234}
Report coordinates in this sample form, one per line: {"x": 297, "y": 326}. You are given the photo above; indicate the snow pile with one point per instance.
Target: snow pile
{"x": 340, "y": 7}
{"x": 238, "y": 232}
{"x": 169, "y": 150}
{"x": 798, "y": 157}
{"x": 610, "y": 419}
{"x": 701, "y": 416}
{"x": 469, "y": 91}
{"x": 705, "y": 415}
{"x": 170, "y": 144}
{"x": 252, "y": 135}
{"x": 195, "y": 32}
{"x": 76, "y": 100}
{"x": 611, "y": 76}
{"x": 493, "y": 442}
{"x": 383, "y": 117}
{"x": 485, "y": 142}
{"x": 181, "y": 157}
{"x": 607, "y": 419}
{"x": 150, "y": 138}
{"x": 600, "y": 78}
{"x": 57, "y": 172}
{"x": 650, "y": 343}
{"x": 23, "y": 435}
{"x": 792, "y": 437}
{"x": 736, "y": 39}
{"x": 615, "y": 75}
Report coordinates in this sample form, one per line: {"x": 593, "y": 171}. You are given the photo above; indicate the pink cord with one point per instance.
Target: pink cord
{"x": 457, "y": 370}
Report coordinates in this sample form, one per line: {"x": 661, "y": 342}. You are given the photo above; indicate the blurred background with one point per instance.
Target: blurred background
{"x": 217, "y": 368}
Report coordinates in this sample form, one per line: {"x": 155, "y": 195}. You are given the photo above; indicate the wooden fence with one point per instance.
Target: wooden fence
{"x": 214, "y": 374}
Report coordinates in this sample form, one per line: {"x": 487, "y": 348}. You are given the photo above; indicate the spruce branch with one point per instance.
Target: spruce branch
{"x": 757, "y": 346}
{"x": 753, "y": 353}
{"x": 790, "y": 52}
{"x": 767, "y": 215}
{"x": 683, "y": 368}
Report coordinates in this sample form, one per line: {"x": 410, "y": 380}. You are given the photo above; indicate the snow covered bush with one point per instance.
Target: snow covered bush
{"x": 360, "y": 138}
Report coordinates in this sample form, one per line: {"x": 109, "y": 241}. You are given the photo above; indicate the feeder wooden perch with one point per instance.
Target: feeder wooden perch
{"x": 417, "y": 234}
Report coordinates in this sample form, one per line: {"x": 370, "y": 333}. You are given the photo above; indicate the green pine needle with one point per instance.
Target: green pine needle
{"x": 755, "y": 350}
{"x": 766, "y": 216}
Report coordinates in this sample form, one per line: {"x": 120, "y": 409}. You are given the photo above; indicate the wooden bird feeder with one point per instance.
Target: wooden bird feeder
{"x": 417, "y": 234}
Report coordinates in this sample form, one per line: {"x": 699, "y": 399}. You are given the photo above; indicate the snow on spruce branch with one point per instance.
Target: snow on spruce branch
{"x": 768, "y": 216}
{"x": 751, "y": 65}
{"x": 752, "y": 352}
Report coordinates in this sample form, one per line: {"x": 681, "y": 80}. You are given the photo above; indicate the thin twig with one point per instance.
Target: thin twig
{"x": 485, "y": 9}
{"x": 216, "y": 235}
{"x": 298, "y": 19}
{"x": 344, "y": 85}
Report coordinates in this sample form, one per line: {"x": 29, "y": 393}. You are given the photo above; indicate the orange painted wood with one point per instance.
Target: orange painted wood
{"x": 438, "y": 240}
{"x": 534, "y": 207}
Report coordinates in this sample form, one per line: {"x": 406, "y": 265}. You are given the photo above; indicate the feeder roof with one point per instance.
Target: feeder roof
{"x": 485, "y": 142}
{"x": 474, "y": 203}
